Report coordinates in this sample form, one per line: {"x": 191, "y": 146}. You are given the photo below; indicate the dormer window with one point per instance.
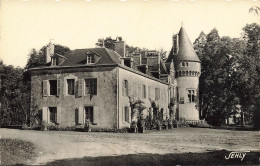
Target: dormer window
{"x": 184, "y": 64}
{"x": 54, "y": 61}
{"x": 90, "y": 58}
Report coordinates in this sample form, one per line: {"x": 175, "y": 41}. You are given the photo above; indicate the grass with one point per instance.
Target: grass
{"x": 207, "y": 158}
{"x": 15, "y": 151}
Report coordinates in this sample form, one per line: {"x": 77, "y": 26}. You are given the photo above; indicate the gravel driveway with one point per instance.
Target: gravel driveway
{"x": 53, "y": 145}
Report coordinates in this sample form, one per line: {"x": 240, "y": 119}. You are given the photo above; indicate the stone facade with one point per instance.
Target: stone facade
{"x": 98, "y": 85}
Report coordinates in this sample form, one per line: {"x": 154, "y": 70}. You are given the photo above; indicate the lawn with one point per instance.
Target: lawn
{"x": 173, "y": 146}
{"x": 15, "y": 151}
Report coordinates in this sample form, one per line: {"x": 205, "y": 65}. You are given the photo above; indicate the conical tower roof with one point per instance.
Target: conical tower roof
{"x": 186, "y": 51}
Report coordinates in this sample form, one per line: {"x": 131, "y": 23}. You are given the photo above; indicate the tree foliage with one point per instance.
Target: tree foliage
{"x": 14, "y": 95}
{"x": 15, "y": 87}
{"x": 229, "y": 74}
{"x": 108, "y": 42}
{"x": 36, "y": 59}
{"x": 254, "y": 9}
{"x": 248, "y": 72}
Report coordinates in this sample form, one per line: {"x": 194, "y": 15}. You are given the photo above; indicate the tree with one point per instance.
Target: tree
{"x": 162, "y": 53}
{"x": 218, "y": 58}
{"x": 36, "y": 59}
{"x": 108, "y": 42}
{"x": 15, "y": 88}
{"x": 248, "y": 72}
{"x": 230, "y": 75}
{"x": 254, "y": 9}
{"x": 200, "y": 43}
{"x": 14, "y": 96}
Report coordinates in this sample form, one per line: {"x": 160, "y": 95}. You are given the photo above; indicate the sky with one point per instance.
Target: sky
{"x": 28, "y": 24}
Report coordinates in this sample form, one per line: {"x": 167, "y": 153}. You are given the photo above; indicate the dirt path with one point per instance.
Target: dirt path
{"x": 55, "y": 145}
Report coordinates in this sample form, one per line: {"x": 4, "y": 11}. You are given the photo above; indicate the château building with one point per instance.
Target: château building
{"x": 99, "y": 85}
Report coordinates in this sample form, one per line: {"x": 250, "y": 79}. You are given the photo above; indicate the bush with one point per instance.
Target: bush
{"x": 180, "y": 124}
{"x": 200, "y": 125}
{"x": 44, "y": 126}
{"x": 124, "y": 130}
{"x": 25, "y": 127}
{"x": 52, "y": 126}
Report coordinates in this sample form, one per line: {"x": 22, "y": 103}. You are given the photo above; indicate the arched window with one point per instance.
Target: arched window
{"x": 193, "y": 73}
{"x": 187, "y": 73}
{"x": 187, "y": 64}
{"x": 183, "y": 63}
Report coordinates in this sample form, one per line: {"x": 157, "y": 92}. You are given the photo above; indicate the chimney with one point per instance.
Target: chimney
{"x": 175, "y": 39}
{"x": 137, "y": 57}
{"x": 119, "y": 47}
{"x": 49, "y": 52}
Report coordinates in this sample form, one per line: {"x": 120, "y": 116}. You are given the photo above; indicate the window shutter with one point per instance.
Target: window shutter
{"x": 140, "y": 91}
{"x": 123, "y": 113}
{"x": 95, "y": 86}
{"x": 81, "y": 115}
{"x": 95, "y": 114}
{"x": 87, "y": 86}
{"x": 45, "y": 88}
{"x": 127, "y": 114}
{"x": 130, "y": 89}
{"x": 45, "y": 114}
{"x": 58, "y": 87}
{"x": 80, "y": 87}
{"x": 123, "y": 87}
{"x": 58, "y": 115}
{"x": 156, "y": 94}
{"x": 152, "y": 94}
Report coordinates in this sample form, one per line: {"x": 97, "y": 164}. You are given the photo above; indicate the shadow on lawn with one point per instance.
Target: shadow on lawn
{"x": 208, "y": 158}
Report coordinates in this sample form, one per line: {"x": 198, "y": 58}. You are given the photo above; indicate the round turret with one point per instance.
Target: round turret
{"x": 188, "y": 69}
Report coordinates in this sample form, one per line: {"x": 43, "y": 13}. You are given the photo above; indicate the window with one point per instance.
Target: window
{"x": 53, "y": 87}
{"x": 53, "y": 114}
{"x": 91, "y": 86}
{"x": 191, "y": 96}
{"x": 126, "y": 110}
{"x": 90, "y": 58}
{"x": 125, "y": 88}
{"x": 54, "y": 61}
{"x": 89, "y": 114}
{"x": 144, "y": 92}
{"x": 181, "y": 100}
{"x": 157, "y": 93}
{"x": 184, "y": 64}
{"x": 70, "y": 86}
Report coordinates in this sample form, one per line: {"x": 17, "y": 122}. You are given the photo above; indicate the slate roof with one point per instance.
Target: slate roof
{"x": 78, "y": 57}
{"x": 186, "y": 51}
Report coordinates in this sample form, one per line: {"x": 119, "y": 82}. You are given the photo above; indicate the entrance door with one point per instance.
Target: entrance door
{"x": 89, "y": 113}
